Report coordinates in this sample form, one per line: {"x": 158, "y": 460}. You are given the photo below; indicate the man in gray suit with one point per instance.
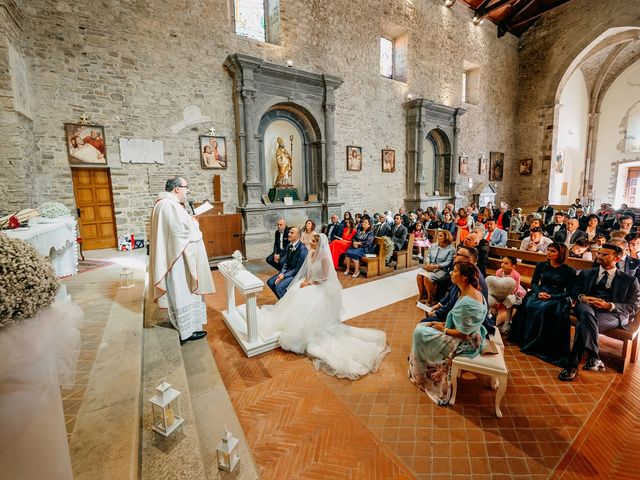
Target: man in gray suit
{"x": 495, "y": 236}
{"x": 607, "y": 298}
{"x": 571, "y": 234}
{"x": 398, "y": 232}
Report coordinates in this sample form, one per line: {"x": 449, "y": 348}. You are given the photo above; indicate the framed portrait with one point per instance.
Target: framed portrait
{"x": 463, "y": 165}
{"x": 388, "y": 160}
{"x": 526, "y": 166}
{"x": 558, "y": 167}
{"x": 483, "y": 166}
{"x": 354, "y": 158}
{"x": 213, "y": 152}
{"x": 496, "y": 166}
{"x": 85, "y": 145}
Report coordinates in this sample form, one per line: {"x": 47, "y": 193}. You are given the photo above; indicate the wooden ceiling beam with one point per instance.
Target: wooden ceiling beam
{"x": 508, "y": 25}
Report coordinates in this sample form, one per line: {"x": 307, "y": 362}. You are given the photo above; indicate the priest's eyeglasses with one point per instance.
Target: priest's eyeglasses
{"x": 183, "y": 186}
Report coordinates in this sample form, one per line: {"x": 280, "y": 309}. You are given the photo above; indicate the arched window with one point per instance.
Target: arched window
{"x": 632, "y": 135}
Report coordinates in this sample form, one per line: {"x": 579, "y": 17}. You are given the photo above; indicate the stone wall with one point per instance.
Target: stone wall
{"x": 153, "y": 70}
{"x": 546, "y": 53}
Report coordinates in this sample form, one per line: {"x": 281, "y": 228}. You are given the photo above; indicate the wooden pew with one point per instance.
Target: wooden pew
{"x": 514, "y": 243}
{"x": 629, "y": 336}
{"x": 374, "y": 266}
{"x": 404, "y": 257}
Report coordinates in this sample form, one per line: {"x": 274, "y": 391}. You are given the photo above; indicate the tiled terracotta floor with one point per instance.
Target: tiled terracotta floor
{"x": 303, "y": 424}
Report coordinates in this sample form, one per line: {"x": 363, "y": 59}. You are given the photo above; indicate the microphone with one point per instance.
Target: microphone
{"x": 193, "y": 210}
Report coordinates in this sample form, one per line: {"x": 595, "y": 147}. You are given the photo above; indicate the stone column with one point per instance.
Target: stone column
{"x": 589, "y": 162}
{"x": 252, "y": 184}
{"x": 330, "y": 182}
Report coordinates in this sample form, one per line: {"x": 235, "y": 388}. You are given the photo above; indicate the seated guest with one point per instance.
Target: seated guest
{"x": 624, "y": 224}
{"x": 464, "y": 223}
{"x": 569, "y": 235}
{"x": 307, "y": 233}
{"x": 475, "y": 240}
{"x": 505, "y": 308}
{"x": 361, "y": 245}
{"x": 608, "y": 220}
{"x": 517, "y": 221}
{"x": 547, "y": 211}
{"x": 436, "y": 343}
{"x": 599, "y": 240}
{"x": 381, "y": 228}
{"x": 503, "y": 218}
{"x": 495, "y": 236}
{"x": 398, "y": 233}
{"x": 420, "y": 240}
{"x": 593, "y": 227}
{"x": 341, "y": 244}
{"x": 293, "y": 260}
{"x": 535, "y": 242}
{"x": 581, "y": 249}
{"x": 558, "y": 224}
{"x": 541, "y": 326}
{"x": 447, "y": 224}
{"x": 438, "y": 264}
{"x": 358, "y": 221}
{"x": 634, "y": 246}
{"x": 583, "y": 219}
{"x": 403, "y": 214}
{"x": 280, "y": 244}
{"x": 413, "y": 218}
{"x": 607, "y": 298}
{"x": 630, "y": 266}
{"x": 334, "y": 230}
{"x": 533, "y": 223}
{"x": 347, "y": 216}
{"x": 577, "y": 204}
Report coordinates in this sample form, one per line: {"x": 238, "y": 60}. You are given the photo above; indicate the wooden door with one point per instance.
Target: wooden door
{"x": 92, "y": 189}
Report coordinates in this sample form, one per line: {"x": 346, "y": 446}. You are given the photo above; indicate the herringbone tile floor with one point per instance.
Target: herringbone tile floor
{"x": 304, "y": 424}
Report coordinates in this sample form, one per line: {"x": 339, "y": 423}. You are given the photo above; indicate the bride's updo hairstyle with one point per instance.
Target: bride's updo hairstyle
{"x": 470, "y": 272}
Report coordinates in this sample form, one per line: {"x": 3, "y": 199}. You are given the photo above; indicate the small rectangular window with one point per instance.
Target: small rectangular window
{"x": 386, "y": 57}
{"x": 249, "y": 19}
{"x": 464, "y": 86}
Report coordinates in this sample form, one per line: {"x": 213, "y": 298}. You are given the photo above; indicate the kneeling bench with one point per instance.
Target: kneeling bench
{"x": 491, "y": 365}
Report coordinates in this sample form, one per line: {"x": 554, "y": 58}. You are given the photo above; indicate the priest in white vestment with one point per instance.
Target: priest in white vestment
{"x": 178, "y": 265}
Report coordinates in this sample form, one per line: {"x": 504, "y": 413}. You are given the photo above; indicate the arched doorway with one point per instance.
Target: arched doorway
{"x": 438, "y": 163}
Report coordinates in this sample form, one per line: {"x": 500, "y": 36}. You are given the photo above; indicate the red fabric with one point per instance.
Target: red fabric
{"x": 463, "y": 227}
{"x": 338, "y": 247}
{"x": 499, "y": 221}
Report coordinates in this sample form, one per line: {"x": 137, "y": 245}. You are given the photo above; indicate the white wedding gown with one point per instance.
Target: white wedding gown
{"x": 308, "y": 321}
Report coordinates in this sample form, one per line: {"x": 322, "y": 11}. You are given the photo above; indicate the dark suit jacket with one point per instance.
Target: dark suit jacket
{"x": 483, "y": 256}
{"x": 583, "y": 222}
{"x": 548, "y": 212}
{"x": 631, "y": 266}
{"x": 334, "y": 230}
{"x": 561, "y": 236}
{"x": 398, "y": 235}
{"x": 549, "y": 229}
{"x": 506, "y": 219}
{"x": 293, "y": 260}
{"x": 381, "y": 229}
{"x": 625, "y": 289}
{"x": 285, "y": 242}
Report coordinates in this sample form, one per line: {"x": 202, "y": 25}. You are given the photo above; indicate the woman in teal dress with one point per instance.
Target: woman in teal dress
{"x": 436, "y": 343}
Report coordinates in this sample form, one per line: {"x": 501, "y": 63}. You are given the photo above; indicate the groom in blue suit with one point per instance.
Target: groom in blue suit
{"x": 294, "y": 258}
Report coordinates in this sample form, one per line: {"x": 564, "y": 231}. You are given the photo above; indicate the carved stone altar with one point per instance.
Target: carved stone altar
{"x": 431, "y": 125}
{"x": 264, "y": 92}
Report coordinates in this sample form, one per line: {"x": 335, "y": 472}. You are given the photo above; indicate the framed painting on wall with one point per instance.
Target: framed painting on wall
{"x": 85, "y": 145}
{"x": 496, "y": 166}
{"x": 354, "y": 158}
{"x": 559, "y": 165}
{"x": 213, "y": 152}
{"x": 388, "y": 160}
{"x": 526, "y": 166}
{"x": 463, "y": 165}
{"x": 483, "y": 165}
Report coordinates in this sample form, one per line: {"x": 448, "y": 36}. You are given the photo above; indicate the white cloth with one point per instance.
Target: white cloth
{"x": 178, "y": 265}
{"x": 36, "y": 357}
{"x": 308, "y": 321}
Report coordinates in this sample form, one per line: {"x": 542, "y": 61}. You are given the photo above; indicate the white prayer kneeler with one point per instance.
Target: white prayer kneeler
{"x": 491, "y": 365}
{"x": 242, "y": 320}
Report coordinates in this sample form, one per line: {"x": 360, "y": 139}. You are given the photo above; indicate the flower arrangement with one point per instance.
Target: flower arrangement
{"x": 53, "y": 210}
{"x": 27, "y": 281}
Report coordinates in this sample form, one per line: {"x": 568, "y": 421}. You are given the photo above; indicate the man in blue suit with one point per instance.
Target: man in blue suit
{"x": 293, "y": 260}
{"x": 495, "y": 236}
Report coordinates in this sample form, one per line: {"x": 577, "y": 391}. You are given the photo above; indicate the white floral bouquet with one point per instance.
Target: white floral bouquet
{"x": 53, "y": 210}
{"x": 28, "y": 283}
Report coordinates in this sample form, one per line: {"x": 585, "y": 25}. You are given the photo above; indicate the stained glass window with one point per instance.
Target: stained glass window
{"x": 386, "y": 57}
{"x": 249, "y": 18}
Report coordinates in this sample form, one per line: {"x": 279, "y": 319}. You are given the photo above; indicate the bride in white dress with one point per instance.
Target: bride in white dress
{"x": 308, "y": 320}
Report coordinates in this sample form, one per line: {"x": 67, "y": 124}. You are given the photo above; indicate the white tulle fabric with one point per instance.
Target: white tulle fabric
{"x": 308, "y": 322}
{"x": 37, "y": 356}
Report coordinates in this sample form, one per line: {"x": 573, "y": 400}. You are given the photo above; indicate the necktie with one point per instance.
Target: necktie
{"x": 602, "y": 283}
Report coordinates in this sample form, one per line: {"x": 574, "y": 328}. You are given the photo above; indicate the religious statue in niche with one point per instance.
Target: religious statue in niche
{"x": 283, "y": 185}
{"x": 283, "y": 162}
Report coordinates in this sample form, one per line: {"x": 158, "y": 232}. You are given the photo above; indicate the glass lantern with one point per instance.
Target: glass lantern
{"x": 165, "y": 406}
{"x": 126, "y": 277}
{"x": 227, "y": 449}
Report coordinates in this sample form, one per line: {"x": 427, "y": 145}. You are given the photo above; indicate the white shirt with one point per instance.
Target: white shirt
{"x": 281, "y": 233}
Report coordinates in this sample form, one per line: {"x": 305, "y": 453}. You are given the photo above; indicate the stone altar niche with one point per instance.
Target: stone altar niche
{"x": 432, "y": 152}
{"x": 264, "y": 93}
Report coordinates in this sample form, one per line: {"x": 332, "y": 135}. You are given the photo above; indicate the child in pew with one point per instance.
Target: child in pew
{"x": 504, "y": 309}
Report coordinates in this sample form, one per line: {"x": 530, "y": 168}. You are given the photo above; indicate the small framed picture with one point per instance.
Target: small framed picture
{"x": 85, "y": 145}
{"x": 483, "y": 166}
{"x": 526, "y": 166}
{"x": 388, "y": 160}
{"x": 496, "y": 167}
{"x": 559, "y": 165}
{"x": 463, "y": 165}
{"x": 312, "y": 198}
{"x": 213, "y": 152}
{"x": 354, "y": 158}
